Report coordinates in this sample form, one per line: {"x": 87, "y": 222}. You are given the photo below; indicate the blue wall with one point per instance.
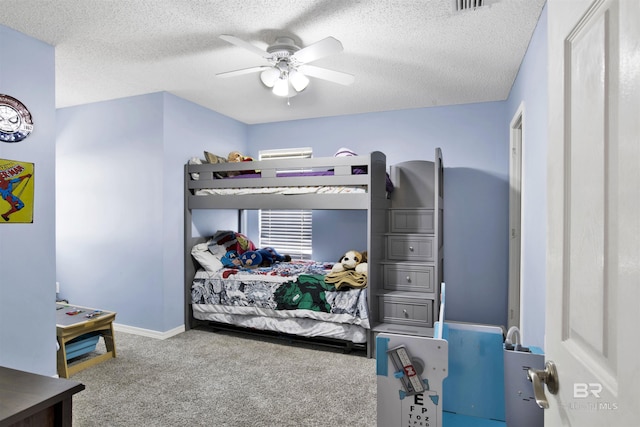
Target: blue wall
{"x": 529, "y": 90}
{"x": 99, "y": 236}
{"x": 120, "y": 202}
{"x": 28, "y": 261}
{"x": 474, "y": 142}
{"x": 120, "y": 246}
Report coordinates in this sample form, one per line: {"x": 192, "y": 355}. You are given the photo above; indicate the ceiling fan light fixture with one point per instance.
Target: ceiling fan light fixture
{"x": 281, "y": 87}
{"x": 270, "y": 76}
{"x": 298, "y": 80}
{"x": 289, "y": 71}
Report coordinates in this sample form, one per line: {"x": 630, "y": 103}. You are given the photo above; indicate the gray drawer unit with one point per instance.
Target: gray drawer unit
{"x": 406, "y": 311}
{"x": 410, "y": 247}
{"x": 411, "y": 221}
{"x": 406, "y": 300}
{"x": 416, "y": 277}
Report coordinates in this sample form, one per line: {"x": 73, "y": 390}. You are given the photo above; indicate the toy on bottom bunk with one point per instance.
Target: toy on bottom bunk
{"x": 227, "y": 246}
{"x": 264, "y": 257}
{"x": 231, "y": 259}
{"x": 352, "y": 260}
{"x": 350, "y": 271}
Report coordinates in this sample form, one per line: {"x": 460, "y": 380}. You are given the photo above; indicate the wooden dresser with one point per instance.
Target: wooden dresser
{"x": 28, "y": 399}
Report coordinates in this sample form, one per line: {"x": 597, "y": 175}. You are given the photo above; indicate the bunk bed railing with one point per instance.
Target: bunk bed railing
{"x": 297, "y": 181}
{"x": 348, "y": 170}
{"x": 340, "y": 164}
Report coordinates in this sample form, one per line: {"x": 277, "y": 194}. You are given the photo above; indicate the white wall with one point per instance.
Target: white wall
{"x": 28, "y": 257}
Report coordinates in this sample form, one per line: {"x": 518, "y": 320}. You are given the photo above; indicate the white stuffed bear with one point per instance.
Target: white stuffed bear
{"x": 352, "y": 260}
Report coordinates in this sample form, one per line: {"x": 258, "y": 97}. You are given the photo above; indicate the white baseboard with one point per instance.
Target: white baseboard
{"x": 148, "y": 332}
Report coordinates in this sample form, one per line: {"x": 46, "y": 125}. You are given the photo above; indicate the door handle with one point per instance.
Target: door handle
{"x": 548, "y": 376}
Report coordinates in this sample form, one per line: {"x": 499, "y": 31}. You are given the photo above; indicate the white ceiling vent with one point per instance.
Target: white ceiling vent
{"x": 460, "y": 5}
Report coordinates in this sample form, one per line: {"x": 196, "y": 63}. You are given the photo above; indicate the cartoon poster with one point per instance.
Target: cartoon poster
{"x": 16, "y": 191}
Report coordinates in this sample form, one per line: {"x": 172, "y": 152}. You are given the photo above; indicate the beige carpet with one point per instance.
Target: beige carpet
{"x": 205, "y": 378}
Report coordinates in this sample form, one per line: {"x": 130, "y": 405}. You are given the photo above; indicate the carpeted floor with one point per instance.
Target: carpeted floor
{"x": 205, "y": 378}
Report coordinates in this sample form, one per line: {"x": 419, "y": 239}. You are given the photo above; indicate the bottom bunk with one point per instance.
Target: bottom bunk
{"x": 345, "y": 337}
{"x": 306, "y": 299}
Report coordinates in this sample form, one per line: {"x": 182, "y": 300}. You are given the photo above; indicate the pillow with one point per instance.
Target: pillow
{"x": 214, "y": 158}
{"x": 342, "y": 152}
{"x": 205, "y": 258}
{"x": 195, "y": 161}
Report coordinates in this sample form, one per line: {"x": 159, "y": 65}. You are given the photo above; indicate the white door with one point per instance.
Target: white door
{"x": 593, "y": 252}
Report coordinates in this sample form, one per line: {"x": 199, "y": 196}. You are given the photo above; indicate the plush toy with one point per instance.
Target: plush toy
{"x": 231, "y": 259}
{"x": 352, "y": 260}
{"x": 236, "y": 156}
{"x": 363, "y": 267}
{"x": 224, "y": 241}
{"x": 264, "y": 257}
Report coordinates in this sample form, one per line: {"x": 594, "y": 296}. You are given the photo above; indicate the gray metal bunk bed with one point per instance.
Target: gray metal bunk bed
{"x": 368, "y": 173}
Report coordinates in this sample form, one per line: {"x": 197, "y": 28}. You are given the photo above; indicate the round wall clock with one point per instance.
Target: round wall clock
{"x": 15, "y": 120}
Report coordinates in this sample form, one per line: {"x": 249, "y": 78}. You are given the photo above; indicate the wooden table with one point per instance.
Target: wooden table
{"x": 70, "y": 327}
{"x": 28, "y": 399}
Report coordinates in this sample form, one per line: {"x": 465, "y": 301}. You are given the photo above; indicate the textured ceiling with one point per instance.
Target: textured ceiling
{"x": 403, "y": 53}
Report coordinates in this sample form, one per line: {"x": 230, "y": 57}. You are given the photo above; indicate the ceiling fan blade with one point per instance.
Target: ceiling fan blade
{"x": 326, "y": 74}
{"x": 243, "y": 71}
{"x": 324, "y": 47}
{"x": 246, "y": 45}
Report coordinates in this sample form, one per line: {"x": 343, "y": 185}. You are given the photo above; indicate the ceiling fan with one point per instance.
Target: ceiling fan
{"x": 288, "y": 71}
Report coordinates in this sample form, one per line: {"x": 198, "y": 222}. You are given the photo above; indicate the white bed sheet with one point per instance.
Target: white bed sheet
{"x": 302, "y": 327}
{"x": 283, "y": 190}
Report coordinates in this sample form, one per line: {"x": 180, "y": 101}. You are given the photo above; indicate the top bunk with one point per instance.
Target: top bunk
{"x": 343, "y": 182}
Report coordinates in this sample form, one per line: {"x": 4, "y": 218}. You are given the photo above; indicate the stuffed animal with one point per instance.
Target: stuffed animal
{"x": 352, "y": 260}
{"x": 363, "y": 267}
{"x": 264, "y": 257}
{"x": 231, "y": 259}
{"x": 236, "y": 156}
{"x": 224, "y": 241}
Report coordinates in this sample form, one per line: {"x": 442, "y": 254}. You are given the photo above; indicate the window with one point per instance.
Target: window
{"x": 288, "y": 231}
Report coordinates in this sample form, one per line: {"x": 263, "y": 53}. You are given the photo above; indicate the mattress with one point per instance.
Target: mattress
{"x": 287, "y": 297}
{"x": 283, "y": 190}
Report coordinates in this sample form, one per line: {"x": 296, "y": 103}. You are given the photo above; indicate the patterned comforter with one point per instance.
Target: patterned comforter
{"x": 285, "y": 290}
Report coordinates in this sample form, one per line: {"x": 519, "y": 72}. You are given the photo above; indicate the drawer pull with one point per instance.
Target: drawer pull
{"x": 411, "y": 248}
{"x": 406, "y": 314}
{"x": 408, "y": 279}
